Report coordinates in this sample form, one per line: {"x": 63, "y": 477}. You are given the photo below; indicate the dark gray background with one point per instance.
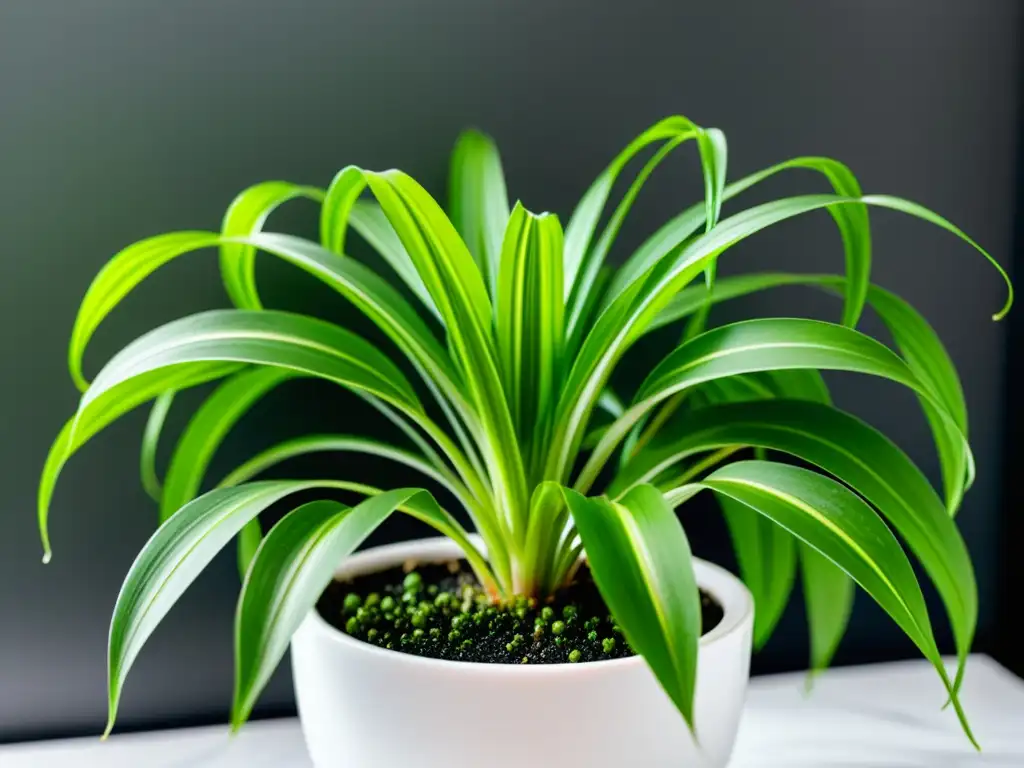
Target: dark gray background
{"x": 123, "y": 119}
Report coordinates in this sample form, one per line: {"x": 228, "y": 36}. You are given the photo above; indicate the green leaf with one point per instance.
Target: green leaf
{"x": 250, "y": 210}
{"x": 913, "y": 209}
{"x": 150, "y": 441}
{"x": 244, "y": 217}
{"x": 376, "y": 299}
{"x": 302, "y": 446}
{"x": 829, "y": 594}
{"x": 458, "y": 289}
{"x": 625, "y": 319}
{"x": 927, "y": 357}
{"x": 547, "y": 534}
{"x": 249, "y": 541}
{"x": 186, "y": 543}
{"x": 117, "y": 278}
{"x": 176, "y": 554}
{"x": 915, "y": 339}
{"x": 478, "y": 201}
{"x": 295, "y": 342}
{"x": 858, "y": 455}
{"x": 104, "y": 410}
{"x": 767, "y": 554}
{"x": 828, "y": 590}
{"x": 207, "y": 429}
{"x": 582, "y": 263}
{"x": 851, "y": 220}
{"x": 367, "y": 218}
{"x": 160, "y": 361}
{"x": 752, "y": 346}
{"x": 292, "y": 567}
{"x": 843, "y": 528}
{"x": 289, "y": 572}
{"x": 439, "y": 255}
{"x": 372, "y": 295}
{"x": 767, "y": 559}
{"x": 529, "y": 322}
{"x": 642, "y": 565}
{"x": 392, "y": 313}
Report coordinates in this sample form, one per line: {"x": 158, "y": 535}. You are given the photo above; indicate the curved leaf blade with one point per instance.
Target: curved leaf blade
{"x": 246, "y": 216}
{"x": 292, "y": 567}
{"x": 103, "y": 411}
{"x": 643, "y": 567}
{"x": 368, "y": 219}
{"x": 301, "y": 446}
{"x": 288, "y": 573}
{"x": 626, "y": 318}
{"x": 179, "y": 550}
{"x": 858, "y": 455}
{"x": 911, "y": 208}
{"x": 458, "y": 289}
{"x": 583, "y": 263}
{"x": 546, "y": 535}
{"x": 754, "y": 346}
{"x": 914, "y": 337}
{"x": 150, "y": 442}
{"x": 852, "y": 222}
{"x": 211, "y": 345}
{"x": 295, "y": 342}
{"x": 186, "y": 543}
{"x": 843, "y": 528}
{"x": 116, "y": 280}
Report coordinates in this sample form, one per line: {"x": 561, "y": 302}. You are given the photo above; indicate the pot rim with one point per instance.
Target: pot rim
{"x": 731, "y": 594}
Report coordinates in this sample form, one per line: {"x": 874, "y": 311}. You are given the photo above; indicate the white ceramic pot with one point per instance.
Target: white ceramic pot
{"x": 366, "y": 707}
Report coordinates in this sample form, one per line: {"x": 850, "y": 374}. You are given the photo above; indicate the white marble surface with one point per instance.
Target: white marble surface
{"x": 881, "y": 716}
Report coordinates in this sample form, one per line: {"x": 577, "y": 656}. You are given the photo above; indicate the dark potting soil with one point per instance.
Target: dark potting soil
{"x": 440, "y": 611}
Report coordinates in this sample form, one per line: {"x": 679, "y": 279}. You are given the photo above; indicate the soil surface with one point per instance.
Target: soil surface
{"x": 440, "y": 611}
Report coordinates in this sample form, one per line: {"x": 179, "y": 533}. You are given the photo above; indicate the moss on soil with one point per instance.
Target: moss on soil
{"x": 440, "y": 611}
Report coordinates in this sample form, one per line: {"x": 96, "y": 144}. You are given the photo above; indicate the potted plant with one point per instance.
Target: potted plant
{"x": 574, "y": 628}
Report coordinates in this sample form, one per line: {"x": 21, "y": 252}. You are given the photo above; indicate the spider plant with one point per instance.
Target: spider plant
{"x": 512, "y": 327}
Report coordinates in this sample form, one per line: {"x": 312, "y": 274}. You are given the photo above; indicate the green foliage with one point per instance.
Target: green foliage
{"x": 514, "y": 329}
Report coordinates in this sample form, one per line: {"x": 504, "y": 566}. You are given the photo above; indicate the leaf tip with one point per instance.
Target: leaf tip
{"x": 809, "y": 679}
{"x": 1009, "y": 299}
{"x": 44, "y": 536}
{"x": 239, "y": 716}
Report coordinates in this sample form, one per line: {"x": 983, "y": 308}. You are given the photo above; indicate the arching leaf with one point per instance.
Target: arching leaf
{"x": 641, "y": 562}
{"x": 244, "y": 217}
{"x": 843, "y": 528}
{"x": 186, "y": 543}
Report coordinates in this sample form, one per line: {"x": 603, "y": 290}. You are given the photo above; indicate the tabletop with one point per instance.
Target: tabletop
{"x": 877, "y": 716}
